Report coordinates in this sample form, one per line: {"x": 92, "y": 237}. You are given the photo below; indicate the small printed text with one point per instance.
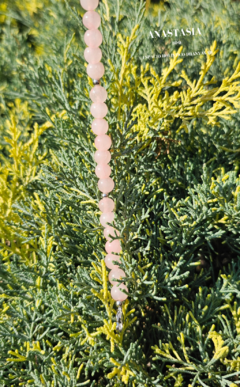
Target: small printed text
{"x": 172, "y": 55}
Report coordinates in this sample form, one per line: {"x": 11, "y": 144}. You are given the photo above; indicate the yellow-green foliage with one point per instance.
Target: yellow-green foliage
{"x": 155, "y": 8}
{"x": 16, "y": 11}
{"x": 28, "y": 8}
{"x": 62, "y": 292}
{"x": 162, "y": 107}
{"x": 180, "y": 355}
{"x": 19, "y": 168}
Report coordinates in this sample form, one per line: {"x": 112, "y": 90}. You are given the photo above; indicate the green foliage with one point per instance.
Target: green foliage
{"x": 175, "y": 164}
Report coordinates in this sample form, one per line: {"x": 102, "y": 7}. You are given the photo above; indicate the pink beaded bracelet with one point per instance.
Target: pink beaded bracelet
{"x": 98, "y": 95}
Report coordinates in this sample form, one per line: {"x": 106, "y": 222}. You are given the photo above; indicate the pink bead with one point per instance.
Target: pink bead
{"x": 105, "y": 218}
{"x": 116, "y": 274}
{"x": 91, "y": 20}
{"x": 102, "y": 157}
{"x": 93, "y": 55}
{"x": 89, "y": 5}
{"x": 99, "y": 126}
{"x": 99, "y": 110}
{"x": 103, "y": 171}
{"x": 93, "y": 38}
{"x": 106, "y": 205}
{"x": 109, "y": 261}
{"x": 98, "y": 94}
{"x": 117, "y": 294}
{"x": 96, "y": 70}
{"x": 103, "y": 142}
{"x": 113, "y": 247}
{"x": 110, "y": 232}
{"x": 106, "y": 185}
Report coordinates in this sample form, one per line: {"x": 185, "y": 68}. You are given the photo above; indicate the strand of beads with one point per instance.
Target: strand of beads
{"x": 98, "y": 95}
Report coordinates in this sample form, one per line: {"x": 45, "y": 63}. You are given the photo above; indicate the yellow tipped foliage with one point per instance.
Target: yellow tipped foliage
{"x": 17, "y": 170}
{"x": 187, "y": 104}
{"x": 179, "y": 227}
{"x": 220, "y": 350}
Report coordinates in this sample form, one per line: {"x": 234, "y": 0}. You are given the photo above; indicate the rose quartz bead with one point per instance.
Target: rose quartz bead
{"x": 110, "y": 232}
{"x": 96, "y": 70}
{"x": 93, "y": 38}
{"x": 89, "y": 5}
{"x": 103, "y": 142}
{"x": 99, "y": 110}
{"x": 102, "y": 157}
{"x": 103, "y": 171}
{"x": 106, "y": 185}
{"x": 117, "y": 294}
{"x": 91, "y": 20}
{"x": 99, "y": 126}
{"x": 106, "y": 205}
{"x": 116, "y": 274}
{"x": 93, "y": 55}
{"x": 113, "y": 247}
{"x": 105, "y": 218}
{"x": 98, "y": 94}
{"x": 109, "y": 261}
